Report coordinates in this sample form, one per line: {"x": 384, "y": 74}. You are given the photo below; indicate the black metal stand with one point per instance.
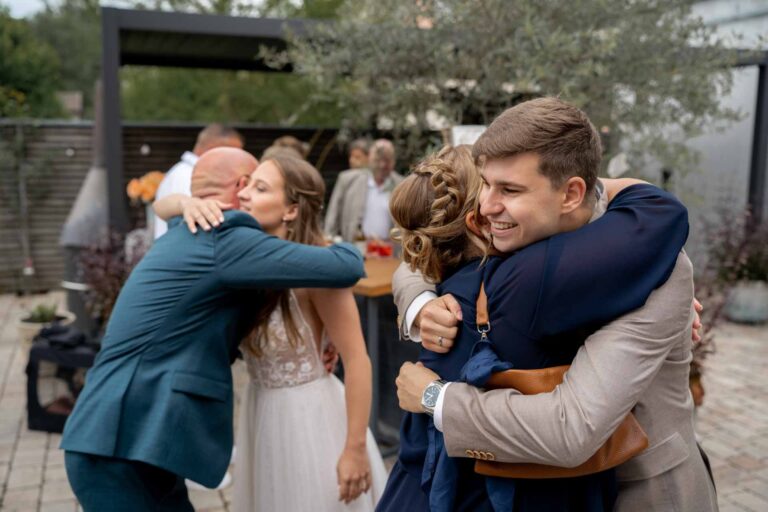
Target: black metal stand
{"x": 41, "y": 417}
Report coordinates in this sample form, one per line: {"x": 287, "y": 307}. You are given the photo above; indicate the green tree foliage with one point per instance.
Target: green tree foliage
{"x": 636, "y": 66}
{"x": 28, "y": 71}
{"x": 224, "y": 96}
{"x": 73, "y": 29}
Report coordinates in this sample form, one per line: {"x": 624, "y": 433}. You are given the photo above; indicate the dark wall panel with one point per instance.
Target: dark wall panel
{"x": 60, "y": 154}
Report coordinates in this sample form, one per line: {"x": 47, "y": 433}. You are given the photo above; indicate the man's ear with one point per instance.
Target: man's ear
{"x": 574, "y": 194}
{"x": 473, "y": 223}
{"x": 242, "y": 182}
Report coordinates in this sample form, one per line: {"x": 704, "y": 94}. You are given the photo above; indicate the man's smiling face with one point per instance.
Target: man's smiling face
{"x": 520, "y": 203}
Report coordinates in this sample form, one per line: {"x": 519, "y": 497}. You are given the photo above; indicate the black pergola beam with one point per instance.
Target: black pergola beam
{"x": 172, "y": 39}
{"x": 199, "y": 24}
{"x": 759, "y": 160}
{"x": 111, "y": 121}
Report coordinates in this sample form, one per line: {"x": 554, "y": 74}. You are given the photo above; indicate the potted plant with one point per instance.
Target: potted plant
{"x": 748, "y": 298}
{"x": 104, "y": 267}
{"x": 727, "y": 242}
{"x": 43, "y": 315}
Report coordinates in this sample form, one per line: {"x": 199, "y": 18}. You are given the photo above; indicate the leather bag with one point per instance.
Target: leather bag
{"x": 627, "y": 440}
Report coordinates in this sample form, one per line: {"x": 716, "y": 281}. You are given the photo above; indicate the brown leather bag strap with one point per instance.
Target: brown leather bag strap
{"x": 481, "y": 317}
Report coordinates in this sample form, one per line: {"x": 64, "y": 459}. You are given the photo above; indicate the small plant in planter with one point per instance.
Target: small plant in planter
{"x": 43, "y": 315}
{"x": 735, "y": 250}
{"x": 748, "y": 300}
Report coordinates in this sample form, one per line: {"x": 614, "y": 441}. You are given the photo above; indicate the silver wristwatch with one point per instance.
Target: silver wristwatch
{"x": 430, "y": 394}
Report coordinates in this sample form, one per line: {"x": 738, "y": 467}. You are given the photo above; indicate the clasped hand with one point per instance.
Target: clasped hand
{"x": 354, "y": 473}
{"x": 206, "y": 213}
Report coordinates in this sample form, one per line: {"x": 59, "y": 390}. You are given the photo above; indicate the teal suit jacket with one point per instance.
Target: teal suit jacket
{"x": 160, "y": 390}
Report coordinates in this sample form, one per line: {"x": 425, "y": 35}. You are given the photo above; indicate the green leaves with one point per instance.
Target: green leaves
{"x": 634, "y": 65}
{"x": 28, "y": 71}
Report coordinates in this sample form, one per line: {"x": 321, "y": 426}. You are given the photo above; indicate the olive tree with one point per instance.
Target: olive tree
{"x": 637, "y": 67}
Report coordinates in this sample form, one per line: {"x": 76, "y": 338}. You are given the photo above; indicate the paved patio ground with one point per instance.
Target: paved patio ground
{"x": 733, "y": 424}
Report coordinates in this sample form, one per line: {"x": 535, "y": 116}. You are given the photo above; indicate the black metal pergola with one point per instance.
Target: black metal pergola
{"x": 154, "y": 38}
{"x": 758, "y": 169}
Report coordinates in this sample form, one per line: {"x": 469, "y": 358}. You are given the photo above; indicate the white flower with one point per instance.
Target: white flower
{"x": 289, "y": 366}
{"x": 305, "y": 367}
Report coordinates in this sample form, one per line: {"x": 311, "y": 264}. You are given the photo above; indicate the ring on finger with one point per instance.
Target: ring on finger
{"x": 440, "y": 340}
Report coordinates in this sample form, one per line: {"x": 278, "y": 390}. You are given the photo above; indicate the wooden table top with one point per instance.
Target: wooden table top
{"x": 379, "y": 280}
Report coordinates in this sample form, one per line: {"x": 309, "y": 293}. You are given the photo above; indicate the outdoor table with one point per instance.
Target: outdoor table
{"x": 374, "y": 288}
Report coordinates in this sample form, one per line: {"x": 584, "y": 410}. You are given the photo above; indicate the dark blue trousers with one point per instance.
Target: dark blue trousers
{"x": 119, "y": 485}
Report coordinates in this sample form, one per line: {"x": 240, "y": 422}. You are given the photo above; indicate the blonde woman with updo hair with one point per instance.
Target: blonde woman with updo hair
{"x": 302, "y": 437}
{"x": 432, "y": 209}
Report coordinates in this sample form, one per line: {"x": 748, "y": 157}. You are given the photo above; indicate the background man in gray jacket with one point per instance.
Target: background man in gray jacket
{"x": 359, "y": 204}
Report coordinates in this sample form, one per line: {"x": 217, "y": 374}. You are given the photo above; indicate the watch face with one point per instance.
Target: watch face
{"x": 431, "y": 394}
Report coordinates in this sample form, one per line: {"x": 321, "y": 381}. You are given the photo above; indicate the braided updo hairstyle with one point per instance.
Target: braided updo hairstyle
{"x": 429, "y": 208}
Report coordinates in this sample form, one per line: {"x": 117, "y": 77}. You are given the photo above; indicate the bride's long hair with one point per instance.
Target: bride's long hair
{"x": 304, "y": 187}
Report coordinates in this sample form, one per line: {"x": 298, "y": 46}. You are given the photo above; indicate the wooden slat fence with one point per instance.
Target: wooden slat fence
{"x": 58, "y": 156}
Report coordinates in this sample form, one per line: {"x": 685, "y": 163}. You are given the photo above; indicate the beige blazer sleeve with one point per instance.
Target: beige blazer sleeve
{"x": 332, "y": 224}
{"x": 406, "y": 286}
{"x": 607, "y": 377}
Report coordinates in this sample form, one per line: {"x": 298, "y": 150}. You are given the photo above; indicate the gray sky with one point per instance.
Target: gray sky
{"x": 23, "y": 8}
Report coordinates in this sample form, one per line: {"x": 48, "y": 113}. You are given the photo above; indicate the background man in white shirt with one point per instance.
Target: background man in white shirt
{"x": 178, "y": 179}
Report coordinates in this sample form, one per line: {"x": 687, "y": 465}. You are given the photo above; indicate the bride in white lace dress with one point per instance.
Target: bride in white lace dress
{"x": 293, "y": 423}
{"x": 302, "y": 438}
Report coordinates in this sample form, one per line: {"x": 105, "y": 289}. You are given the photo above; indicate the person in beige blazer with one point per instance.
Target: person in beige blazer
{"x": 638, "y": 362}
{"x": 358, "y": 204}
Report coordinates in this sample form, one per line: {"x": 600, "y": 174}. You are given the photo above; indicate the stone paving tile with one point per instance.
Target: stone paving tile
{"x": 27, "y": 497}
{"x": 59, "y": 506}
{"x": 757, "y": 486}
{"x": 734, "y": 419}
{"x": 24, "y": 476}
{"x": 57, "y": 491}
{"x": 747, "y": 501}
{"x": 55, "y": 473}
{"x": 6, "y": 452}
{"x": 35, "y": 458}
{"x": 55, "y": 456}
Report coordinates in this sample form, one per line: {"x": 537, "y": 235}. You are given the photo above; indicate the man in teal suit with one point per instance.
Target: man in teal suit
{"x": 157, "y": 404}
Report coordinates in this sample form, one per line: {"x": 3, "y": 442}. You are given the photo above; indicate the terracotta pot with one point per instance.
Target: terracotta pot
{"x": 28, "y": 330}
{"x": 697, "y": 390}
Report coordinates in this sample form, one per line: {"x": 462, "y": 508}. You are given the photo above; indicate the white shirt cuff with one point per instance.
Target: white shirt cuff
{"x": 438, "y": 416}
{"x": 412, "y": 332}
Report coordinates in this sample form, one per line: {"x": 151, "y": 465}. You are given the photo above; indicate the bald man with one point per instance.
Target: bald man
{"x": 178, "y": 178}
{"x": 157, "y": 404}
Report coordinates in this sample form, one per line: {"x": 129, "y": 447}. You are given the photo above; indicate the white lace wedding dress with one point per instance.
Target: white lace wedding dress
{"x": 292, "y": 430}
